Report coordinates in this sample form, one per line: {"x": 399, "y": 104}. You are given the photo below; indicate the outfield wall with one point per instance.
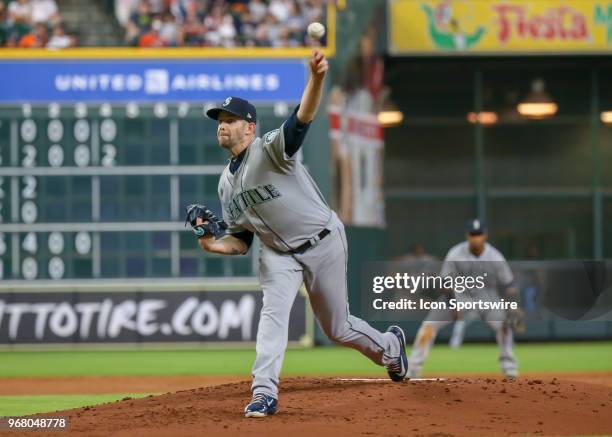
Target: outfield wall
{"x": 104, "y": 312}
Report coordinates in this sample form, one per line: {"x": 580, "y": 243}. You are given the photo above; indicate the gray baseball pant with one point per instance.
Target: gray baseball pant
{"x": 323, "y": 270}
{"x": 439, "y": 318}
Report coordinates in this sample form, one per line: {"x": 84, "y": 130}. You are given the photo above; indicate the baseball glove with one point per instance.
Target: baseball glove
{"x": 515, "y": 320}
{"x": 212, "y": 225}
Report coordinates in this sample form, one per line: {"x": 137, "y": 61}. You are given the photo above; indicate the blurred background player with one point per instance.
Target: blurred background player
{"x": 471, "y": 258}
{"x": 417, "y": 253}
{"x": 529, "y": 281}
{"x": 459, "y": 327}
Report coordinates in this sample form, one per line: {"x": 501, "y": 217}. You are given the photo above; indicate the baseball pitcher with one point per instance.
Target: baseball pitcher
{"x": 266, "y": 191}
{"x": 473, "y": 257}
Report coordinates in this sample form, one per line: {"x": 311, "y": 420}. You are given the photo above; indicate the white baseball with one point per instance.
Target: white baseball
{"x": 316, "y": 30}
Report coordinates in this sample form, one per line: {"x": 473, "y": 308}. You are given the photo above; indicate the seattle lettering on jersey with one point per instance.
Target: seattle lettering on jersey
{"x": 251, "y": 197}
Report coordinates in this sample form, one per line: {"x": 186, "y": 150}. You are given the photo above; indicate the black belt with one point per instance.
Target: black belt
{"x": 304, "y": 247}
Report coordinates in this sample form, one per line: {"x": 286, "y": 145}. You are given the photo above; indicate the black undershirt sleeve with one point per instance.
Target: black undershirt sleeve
{"x": 294, "y": 132}
{"x": 246, "y": 236}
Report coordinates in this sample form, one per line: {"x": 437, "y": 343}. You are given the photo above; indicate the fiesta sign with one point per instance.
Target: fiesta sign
{"x": 500, "y": 26}
{"x": 558, "y": 23}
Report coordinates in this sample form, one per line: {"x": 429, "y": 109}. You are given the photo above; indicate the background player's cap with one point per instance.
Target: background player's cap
{"x": 476, "y": 227}
{"x": 237, "y": 106}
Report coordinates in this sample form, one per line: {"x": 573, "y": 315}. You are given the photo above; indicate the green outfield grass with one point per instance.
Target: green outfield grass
{"x": 23, "y": 405}
{"x": 553, "y": 357}
{"x": 472, "y": 358}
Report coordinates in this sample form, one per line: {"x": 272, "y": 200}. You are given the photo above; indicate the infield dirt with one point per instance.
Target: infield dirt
{"x": 334, "y": 407}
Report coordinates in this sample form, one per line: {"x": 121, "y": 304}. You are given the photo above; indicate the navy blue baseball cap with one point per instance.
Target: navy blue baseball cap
{"x": 476, "y": 227}
{"x": 237, "y": 106}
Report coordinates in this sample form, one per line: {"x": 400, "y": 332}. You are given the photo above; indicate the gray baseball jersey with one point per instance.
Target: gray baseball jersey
{"x": 272, "y": 195}
{"x": 460, "y": 261}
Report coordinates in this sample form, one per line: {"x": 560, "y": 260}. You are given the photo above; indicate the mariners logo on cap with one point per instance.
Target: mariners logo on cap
{"x": 476, "y": 224}
{"x": 227, "y": 101}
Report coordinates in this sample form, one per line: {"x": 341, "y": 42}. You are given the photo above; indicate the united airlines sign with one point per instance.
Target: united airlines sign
{"x": 54, "y": 81}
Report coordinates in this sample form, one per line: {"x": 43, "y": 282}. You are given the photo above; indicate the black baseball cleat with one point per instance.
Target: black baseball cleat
{"x": 261, "y": 405}
{"x": 399, "y": 367}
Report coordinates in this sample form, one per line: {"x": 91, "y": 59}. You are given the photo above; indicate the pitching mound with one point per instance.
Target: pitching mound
{"x": 339, "y": 407}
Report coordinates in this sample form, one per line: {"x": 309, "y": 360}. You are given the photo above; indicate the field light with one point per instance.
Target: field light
{"x": 389, "y": 114}
{"x": 538, "y": 104}
{"x": 486, "y": 118}
{"x": 606, "y": 117}
{"x": 390, "y": 117}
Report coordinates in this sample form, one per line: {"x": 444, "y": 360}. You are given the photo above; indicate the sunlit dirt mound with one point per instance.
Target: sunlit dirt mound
{"x": 342, "y": 407}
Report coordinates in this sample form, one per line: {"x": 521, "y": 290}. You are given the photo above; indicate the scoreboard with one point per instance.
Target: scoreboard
{"x": 92, "y": 191}
{"x": 98, "y": 159}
